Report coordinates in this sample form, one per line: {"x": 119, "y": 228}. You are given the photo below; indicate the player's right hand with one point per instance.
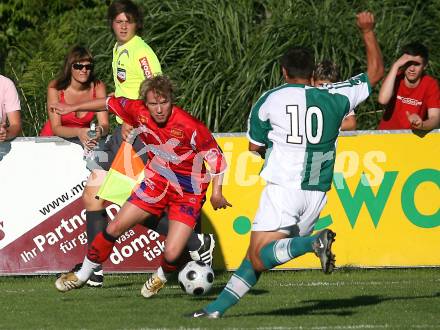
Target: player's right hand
{"x": 218, "y": 201}
{"x": 61, "y": 108}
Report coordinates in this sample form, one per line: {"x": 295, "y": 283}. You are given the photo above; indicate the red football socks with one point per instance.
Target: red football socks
{"x": 101, "y": 247}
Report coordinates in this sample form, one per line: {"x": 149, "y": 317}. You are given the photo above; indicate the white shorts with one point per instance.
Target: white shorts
{"x": 293, "y": 211}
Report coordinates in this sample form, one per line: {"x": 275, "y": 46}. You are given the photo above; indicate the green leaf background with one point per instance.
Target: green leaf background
{"x": 221, "y": 54}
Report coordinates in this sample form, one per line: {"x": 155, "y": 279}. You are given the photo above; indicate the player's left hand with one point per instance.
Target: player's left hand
{"x": 218, "y": 201}
{"x": 415, "y": 120}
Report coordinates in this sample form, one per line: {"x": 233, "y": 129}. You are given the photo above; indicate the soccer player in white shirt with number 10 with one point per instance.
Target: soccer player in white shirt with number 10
{"x": 294, "y": 127}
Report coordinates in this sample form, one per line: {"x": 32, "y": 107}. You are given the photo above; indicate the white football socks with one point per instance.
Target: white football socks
{"x": 161, "y": 274}
{"x": 86, "y": 270}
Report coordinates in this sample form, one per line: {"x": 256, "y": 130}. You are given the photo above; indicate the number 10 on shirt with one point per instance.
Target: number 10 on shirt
{"x": 312, "y": 113}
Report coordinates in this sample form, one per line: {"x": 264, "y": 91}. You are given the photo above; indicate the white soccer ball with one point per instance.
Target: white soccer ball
{"x": 196, "y": 278}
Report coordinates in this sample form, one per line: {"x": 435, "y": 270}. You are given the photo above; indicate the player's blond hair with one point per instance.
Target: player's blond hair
{"x": 326, "y": 70}
{"x": 160, "y": 84}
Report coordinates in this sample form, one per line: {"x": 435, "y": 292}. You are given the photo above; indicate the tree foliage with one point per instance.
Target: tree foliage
{"x": 222, "y": 54}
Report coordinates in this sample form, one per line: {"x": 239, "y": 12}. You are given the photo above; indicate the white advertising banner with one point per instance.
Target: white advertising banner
{"x": 384, "y": 205}
{"x": 42, "y": 217}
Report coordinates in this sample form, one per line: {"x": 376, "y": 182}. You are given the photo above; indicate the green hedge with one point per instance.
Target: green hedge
{"x": 221, "y": 54}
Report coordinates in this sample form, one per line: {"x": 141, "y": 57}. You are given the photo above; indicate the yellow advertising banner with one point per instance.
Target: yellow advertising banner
{"x": 384, "y": 204}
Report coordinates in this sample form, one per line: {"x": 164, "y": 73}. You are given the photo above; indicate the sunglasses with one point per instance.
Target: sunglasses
{"x": 79, "y": 66}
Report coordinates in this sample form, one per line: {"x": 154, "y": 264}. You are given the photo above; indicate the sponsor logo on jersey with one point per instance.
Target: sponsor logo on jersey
{"x": 176, "y": 132}
{"x": 121, "y": 75}
{"x": 143, "y": 119}
{"x": 145, "y": 67}
{"x": 410, "y": 101}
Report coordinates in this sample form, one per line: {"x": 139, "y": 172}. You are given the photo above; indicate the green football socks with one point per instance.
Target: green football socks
{"x": 243, "y": 279}
{"x": 284, "y": 250}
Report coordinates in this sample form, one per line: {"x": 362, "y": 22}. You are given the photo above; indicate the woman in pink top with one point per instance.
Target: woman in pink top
{"x": 76, "y": 84}
{"x": 10, "y": 118}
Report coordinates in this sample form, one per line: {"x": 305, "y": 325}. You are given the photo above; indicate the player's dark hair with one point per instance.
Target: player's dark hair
{"x": 131, "y": 10}
{"x": 416, "y": 49}
{"x": 298, "y": 62}
{"x": 326, "y": 70}
{"x": 75, "y": 55}
{"x": 160, "y": 84}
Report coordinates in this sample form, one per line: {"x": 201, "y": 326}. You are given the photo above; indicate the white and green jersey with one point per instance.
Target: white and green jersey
{"x": 299, "y": 125}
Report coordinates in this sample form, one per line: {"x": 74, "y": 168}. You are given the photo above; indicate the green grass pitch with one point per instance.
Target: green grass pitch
{"x": 346, "y": 299}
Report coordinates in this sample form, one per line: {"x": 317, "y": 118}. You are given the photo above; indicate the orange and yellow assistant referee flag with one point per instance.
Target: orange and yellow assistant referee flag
{"x": 125, "y": 172}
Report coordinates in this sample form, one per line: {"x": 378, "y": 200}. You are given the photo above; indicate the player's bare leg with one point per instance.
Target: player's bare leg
{"x": 260, "y": 239}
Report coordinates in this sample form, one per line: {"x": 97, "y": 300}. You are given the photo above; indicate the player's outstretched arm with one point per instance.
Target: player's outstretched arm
{"x": 218, "y": 201}
{"x": 95, "y": 105}
{"x": 375, "y": 69}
